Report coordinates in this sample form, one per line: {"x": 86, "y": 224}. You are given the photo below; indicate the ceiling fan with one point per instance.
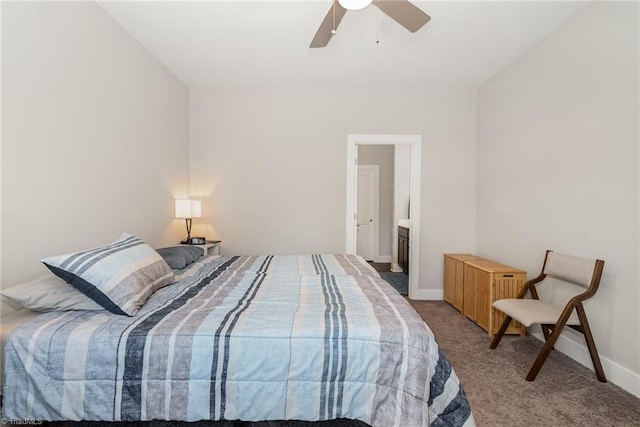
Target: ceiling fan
{"x": 403, "y": 12}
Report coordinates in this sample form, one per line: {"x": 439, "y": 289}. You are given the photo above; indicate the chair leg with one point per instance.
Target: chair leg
{"x": 546, "y": 349}
{"x": 591, "y": 345}
{"x": 545, "y": 331}
{"x": 500, "y": 333}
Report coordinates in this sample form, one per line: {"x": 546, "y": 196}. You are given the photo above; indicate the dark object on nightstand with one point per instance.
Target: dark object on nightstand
{"x": 194, "y": 241}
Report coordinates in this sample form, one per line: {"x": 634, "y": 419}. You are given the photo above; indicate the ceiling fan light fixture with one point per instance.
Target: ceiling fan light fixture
{"x": 354, "y": 4}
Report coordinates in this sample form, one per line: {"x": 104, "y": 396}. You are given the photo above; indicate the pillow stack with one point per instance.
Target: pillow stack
{"x": 119, "y": 276}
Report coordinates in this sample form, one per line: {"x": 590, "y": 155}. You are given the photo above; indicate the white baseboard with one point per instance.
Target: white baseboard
{"x": 395, "y": 268}
{"x": 428, "y": 294}
{"x": 382, "y": 258}
{"x": 617, "y": 374}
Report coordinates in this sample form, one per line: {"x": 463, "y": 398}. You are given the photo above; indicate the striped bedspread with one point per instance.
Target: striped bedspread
{"x": 240, "y": 338}
{"x": 339, "y": 265}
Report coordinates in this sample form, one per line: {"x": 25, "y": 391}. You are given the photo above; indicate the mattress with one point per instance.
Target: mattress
{"x": 242, "y": 337}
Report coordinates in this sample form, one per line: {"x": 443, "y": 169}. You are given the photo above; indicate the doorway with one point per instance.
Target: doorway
{"x": 413, "y": 143}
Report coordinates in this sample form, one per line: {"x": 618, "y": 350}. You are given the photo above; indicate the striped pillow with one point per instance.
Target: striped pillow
{"x": 119, "y": 276}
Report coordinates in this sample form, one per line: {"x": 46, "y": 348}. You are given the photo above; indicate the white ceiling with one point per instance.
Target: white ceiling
{"x": 265, "y": 44}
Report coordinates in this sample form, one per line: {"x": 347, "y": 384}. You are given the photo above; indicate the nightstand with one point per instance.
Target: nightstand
{"x": 211, "y": 247}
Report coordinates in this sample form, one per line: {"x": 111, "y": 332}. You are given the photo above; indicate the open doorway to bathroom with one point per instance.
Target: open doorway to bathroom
{"x": 382, "y": 201}
{"x": 383, "y": 205}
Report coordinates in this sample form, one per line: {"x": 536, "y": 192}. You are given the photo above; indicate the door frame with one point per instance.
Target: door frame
{"x": 375, "y": 213}
{"x": 415, "y": 142}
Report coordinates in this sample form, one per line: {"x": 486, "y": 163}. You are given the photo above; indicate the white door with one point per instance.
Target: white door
{"x": 366, "y": 220}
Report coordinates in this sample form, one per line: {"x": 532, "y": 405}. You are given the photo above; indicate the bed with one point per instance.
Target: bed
{"x": 314, "y": 337}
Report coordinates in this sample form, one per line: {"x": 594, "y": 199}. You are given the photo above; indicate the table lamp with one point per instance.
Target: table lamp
{"x": 188, "y": 209}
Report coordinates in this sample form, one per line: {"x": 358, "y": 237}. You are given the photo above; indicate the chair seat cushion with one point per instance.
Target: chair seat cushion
{"x": 532, "y": 311}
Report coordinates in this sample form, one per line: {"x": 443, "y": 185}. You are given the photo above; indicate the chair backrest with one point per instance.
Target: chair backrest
{"x": 579, "y": 271}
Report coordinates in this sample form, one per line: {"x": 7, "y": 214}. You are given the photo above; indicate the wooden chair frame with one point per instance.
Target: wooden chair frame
{"x": 551, "y": 332}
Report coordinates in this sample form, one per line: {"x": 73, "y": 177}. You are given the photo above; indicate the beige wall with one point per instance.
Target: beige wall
{"x": 94, "y": 136}
{"x": 271, "y": 166}
{"x": 558, "y": 168}
{"x": 382, "y": 156}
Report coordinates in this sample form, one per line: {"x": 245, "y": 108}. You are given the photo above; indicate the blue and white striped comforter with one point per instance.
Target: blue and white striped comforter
{"x": 238, "y": 338}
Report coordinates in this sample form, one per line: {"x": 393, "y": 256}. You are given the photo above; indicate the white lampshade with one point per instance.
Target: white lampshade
{"x": 354, "y": 4}
{"x": 188, "y": 208}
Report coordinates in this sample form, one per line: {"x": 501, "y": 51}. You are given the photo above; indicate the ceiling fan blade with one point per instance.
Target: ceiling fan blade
{"x": 329, "y": 23}
{"x": 406, "y": 14}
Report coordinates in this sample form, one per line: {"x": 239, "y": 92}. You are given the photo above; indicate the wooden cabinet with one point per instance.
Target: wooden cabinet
{"x": 487, "y": 281}
{"x": 403, "y": 248}
{"x": 454, "y": 278}
{"x": 472, "y": 284}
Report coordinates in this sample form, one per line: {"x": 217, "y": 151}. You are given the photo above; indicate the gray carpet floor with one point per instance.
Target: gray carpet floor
{"x": 565, "y": 393}
{"x": 400, "y": 281}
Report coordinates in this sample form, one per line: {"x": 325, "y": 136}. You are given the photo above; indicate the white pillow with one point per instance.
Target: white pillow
{"x": 49, "y": 293}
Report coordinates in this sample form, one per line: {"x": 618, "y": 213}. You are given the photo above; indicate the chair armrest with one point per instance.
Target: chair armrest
{"x": 530, "y": 285}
